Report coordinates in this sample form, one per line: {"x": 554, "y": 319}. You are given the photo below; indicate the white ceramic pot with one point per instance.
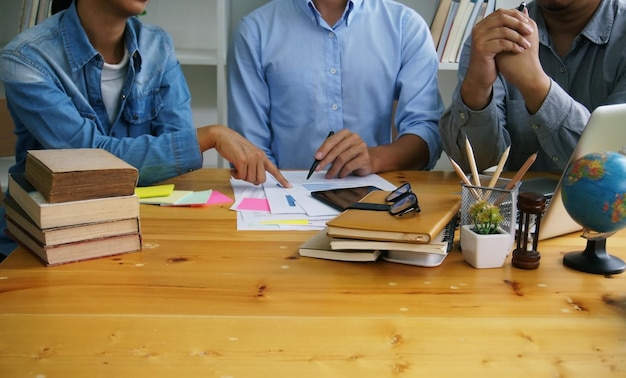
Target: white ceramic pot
{"x": 485, "y": 251}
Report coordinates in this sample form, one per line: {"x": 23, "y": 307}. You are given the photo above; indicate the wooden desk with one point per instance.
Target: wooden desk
{"x": 205, "y": 300}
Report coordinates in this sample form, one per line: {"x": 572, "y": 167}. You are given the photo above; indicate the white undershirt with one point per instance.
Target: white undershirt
{"x": 111, "y": 84}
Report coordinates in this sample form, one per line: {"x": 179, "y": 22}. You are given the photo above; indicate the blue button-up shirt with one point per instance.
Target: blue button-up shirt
{"x": 51, "y": 74}
{"x": 293, "y": 78}
{"x": 591, "y": 74}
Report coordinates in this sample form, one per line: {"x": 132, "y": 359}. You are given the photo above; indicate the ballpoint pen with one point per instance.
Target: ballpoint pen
{"x": 317, "y": 162}
{"x": 521, "y": 7}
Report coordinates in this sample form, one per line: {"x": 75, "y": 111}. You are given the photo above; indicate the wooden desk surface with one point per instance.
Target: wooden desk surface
{"x": 203, "y": 299}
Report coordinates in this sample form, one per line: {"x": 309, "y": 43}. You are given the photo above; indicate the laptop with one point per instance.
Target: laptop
{"x": 605, "y": 131}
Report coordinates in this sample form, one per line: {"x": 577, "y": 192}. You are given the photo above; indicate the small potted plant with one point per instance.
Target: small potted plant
{"x": 484, "y": 243}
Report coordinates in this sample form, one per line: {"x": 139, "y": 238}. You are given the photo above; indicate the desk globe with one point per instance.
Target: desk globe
{"x": 594, "y": 195}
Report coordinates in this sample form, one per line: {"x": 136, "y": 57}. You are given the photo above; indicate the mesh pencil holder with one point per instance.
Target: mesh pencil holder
{"x": 506, "y": 200}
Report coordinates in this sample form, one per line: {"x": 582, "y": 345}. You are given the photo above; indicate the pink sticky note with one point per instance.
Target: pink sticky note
{"x": 218, "y": 198}
{"x": 255, "y": 204}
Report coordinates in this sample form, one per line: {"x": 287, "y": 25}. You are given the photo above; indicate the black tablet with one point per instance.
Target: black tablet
{"x": 341, "y": 198}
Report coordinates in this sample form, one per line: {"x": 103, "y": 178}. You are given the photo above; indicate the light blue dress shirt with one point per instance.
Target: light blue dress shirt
{"x": 51, "y": 74}
{"x": 293, "y": 78}
{"x": 591, "y": 74}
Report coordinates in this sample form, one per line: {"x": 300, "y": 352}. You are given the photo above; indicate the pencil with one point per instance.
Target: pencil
{"x": 464, "y": 178}
{"x": 496, "y": 174}
{"x": 472, "y": 161}
{"x": 521, "y": 172}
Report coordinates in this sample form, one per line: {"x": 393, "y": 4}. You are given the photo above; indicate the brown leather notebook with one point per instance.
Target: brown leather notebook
{"x": 437, "y": 211}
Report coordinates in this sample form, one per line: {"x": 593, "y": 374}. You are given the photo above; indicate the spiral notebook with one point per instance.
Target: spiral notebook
{"x": 605, "y": 131}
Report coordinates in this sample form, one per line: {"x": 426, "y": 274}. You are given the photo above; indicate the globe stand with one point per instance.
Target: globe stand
{"x": 594, "y": 259}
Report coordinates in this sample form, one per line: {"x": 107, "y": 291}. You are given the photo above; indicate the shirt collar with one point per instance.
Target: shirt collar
{"x": 348, "y": 13}
{"x": 597, "y": 30}
{"x": 77, "y": 46}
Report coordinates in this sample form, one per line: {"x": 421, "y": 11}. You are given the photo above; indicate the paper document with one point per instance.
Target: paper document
{"x": 272, "y": 207}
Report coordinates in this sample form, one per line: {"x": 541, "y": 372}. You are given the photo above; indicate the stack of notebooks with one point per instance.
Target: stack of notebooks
{"x": 74, "y": 204}
{"x": 363, "y": 235}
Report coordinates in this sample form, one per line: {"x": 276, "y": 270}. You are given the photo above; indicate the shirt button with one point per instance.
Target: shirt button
{"x": 331, "y": 35}
{"x": 333, "y": 71}
{"x": 135, "y": 117}
{"x": 555, "y": 158}
{"x": 462, "y": 115}
{"x": 562, "y": 69}
{"x": 535, "y": 127}
{"x": 334, "y": 107}
{"x": 123, "y": 97}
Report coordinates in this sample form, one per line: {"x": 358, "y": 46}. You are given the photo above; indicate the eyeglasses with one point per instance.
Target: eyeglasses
{"x": 401, "y": 203}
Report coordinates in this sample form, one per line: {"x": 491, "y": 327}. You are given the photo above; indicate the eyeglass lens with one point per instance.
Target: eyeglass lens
{"x": 406, "y": 205}
{"x": 399, "y": 192}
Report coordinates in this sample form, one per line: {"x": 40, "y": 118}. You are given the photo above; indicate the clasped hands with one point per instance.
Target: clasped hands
{"x": 506, "y": 42}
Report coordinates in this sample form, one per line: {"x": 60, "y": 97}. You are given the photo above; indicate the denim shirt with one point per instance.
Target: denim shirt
{"x": 51, "y": 74}
{"x": 591, "y": 74}
{"x": 293, "y": 78}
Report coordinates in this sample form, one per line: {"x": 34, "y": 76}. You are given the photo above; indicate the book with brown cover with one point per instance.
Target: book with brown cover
{"x": 437, "y": 211}
{"x": 62, "y": 175}
{"x": 48, "y": 215}
{"x": 76, "y": 251}
{"x": 71, "y": 233}
{"x": 439, "y": 20}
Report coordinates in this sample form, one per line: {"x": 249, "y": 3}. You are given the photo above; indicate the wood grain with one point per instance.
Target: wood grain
{"x": 203, "y": 299}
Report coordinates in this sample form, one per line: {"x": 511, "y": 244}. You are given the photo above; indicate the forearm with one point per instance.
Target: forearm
{"x": 482, "y": 128}
{"x": 407, "y": 152}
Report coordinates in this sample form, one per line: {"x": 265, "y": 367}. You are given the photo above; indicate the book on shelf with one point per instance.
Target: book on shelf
{"x": 62, "y": 175}
{"x": 478, "y": 8}
{"x": 436, "y": 26}
{"x": 33, "y": 12}
{"x": 319, "y": 247}
{"x": 76, "y": 251}
{"x": 48, "y": 215}
{"x": 461, "y": 17}
{"x": 43, "y": 10}
{"x": 507, "y": 4}
{"x": 71, "y": 233}
{"x": 445, "y": 33}
{"x": 437, "y": 211}
{"x": 458, "y": 27}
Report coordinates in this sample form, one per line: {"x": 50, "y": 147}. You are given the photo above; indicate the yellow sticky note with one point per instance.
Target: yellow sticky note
{"x": 154, "y": 191}
{"x": 286, "y": 221}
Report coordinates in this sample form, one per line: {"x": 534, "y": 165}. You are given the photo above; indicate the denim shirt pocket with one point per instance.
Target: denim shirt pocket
{"x": 292, "y": 98}
{"x": 142, "y": 108}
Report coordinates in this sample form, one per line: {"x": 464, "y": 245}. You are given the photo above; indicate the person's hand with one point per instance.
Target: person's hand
{"x": 505, "y": 30}
{"x": 347, "y": 154}
{"x": 250, "y": 162}
{"x": 523, "y": 69}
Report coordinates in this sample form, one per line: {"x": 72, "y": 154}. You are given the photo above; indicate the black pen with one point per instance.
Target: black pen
{"x": 521, "y": 7}
{"x": 317, "y": 162}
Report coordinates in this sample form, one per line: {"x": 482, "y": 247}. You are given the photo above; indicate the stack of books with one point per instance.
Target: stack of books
{"x": 363, "y": 235}
{"x": 74, "y": 204}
